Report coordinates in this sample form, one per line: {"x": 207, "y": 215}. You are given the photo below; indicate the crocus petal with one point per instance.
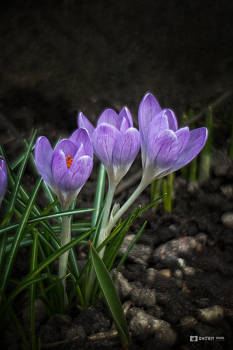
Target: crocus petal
{"x": 158, "y": 124}
{"x": 110, "y": 117}
{"x": 81, "y": 135}
{"x": 43, "y": 158}
{"x": 3, "y": 178}
{"x": 125, "y": 113}
{"x": 172, "y": 121}
{"x": 182, "y": 137}
{"x": 104, "y": 139}
{"x": 148, "y": 109}
{"x": 84, "y": 123}
{"x": 59, "y": 167}
{"x": 124, "y": 152}
{"x": 80, "y": 153}
{"x": 197, "y": 140}
{"x": 77, "y": 175}
{"x": 124, "y": 126}
{"x": 162, "y": 153}
{"x": 68, "y": 147}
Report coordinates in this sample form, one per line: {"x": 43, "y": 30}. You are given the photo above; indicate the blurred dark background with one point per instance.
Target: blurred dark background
{"x": 61, "y": 57}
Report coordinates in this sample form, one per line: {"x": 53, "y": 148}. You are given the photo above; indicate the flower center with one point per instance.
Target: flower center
{"x": 69, "y": 161}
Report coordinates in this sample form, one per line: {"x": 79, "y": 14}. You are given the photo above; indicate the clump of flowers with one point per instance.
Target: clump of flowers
{"x": 115, "y": 141}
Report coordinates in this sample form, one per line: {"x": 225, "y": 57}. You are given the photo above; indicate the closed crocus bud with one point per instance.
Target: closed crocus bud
{"x": 165, "y": 148}
{"x": 66, "y": 168}
{"x": 115, "y": 141}
{"x": 3, "y": 179}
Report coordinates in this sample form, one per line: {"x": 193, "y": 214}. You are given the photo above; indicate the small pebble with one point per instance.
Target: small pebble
{"x": 144, "y": 326}
{"x": 189, "y": 271}
{"x": 201, "y": 238}
{"x": 227, "y": 219}
{"x": 166, "y": 272}
{"x": 185, "y": 290}
{"x": 170, "y": 251}
{"x": 193, "y": 187}
{"x": 166, "y": 335}
{"x": 211, "y": 315}
{"x": 151, "y": 274}
{"x": 139, "y": 254}
{"x": 181, "y": 263}
{"x": 188, "y": 322}
{"x": 122, "y": 285}
{"x": 178, "y": 273}
{"x": 227, "y": 190}
{"x": 82, "y": 255}
{"x": 145, "y": 297}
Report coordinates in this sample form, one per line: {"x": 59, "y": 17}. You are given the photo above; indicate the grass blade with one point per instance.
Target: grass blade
{"x": 111, "y": 297}
{"x": 18, "y": 235}
{"x": 99, "y": 196}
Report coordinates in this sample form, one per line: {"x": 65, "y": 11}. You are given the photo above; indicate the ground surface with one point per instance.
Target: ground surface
{"x": 61, "y": 57}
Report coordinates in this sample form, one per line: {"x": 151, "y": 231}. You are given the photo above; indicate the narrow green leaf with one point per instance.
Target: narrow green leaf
{"x": 33, "y": 290}
{"x": 151, "y": 204}
{"x": 18, "y": 235}
{"x": 46, "y": 217}
{"x": 111, "y": 297}
{"x": 3, "y": 238}
{"x": 39, "y": 268}
{"x": 99, "y": 194}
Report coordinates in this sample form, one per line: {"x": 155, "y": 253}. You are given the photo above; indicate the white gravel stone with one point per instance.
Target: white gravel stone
{"x": 188, "y": 322}
{"x": 227, "y": 219}
{"x": 151, "y": 274}
{"x": 170, "y": 251}
{"x": 181, "y": 263}
{"x": 139, "y": 254}
{"x": 227, "y": 190}
{"x": 211, "y": 315}
{"x": 178, "y": 273}
{"x": 122, "y": 285}
{"x": 189, "y": 271}
{"x": 145, "y": 297}
{"x": 144, "y": 326}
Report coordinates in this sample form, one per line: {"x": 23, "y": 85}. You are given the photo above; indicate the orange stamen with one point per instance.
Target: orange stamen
{"x": 69, "y": 161}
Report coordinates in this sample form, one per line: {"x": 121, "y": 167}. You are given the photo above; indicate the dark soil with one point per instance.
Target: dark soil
{"x": 60, "y": 57}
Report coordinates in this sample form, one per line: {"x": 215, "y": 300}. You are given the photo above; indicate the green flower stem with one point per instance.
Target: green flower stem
{"x": 105, "y": 221}
{"x": 103, "y": 232}
{"x": 63, "y": 259}
{"x": 137, "y": 192}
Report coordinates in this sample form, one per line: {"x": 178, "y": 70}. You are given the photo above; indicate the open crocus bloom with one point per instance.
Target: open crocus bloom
{"x": 66, "y": 169}
{"x": 164, "y": 147}
{"x": 3, "y": 179}
{"x": 115, "y": 141}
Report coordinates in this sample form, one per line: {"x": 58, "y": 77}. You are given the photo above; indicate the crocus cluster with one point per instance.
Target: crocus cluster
{"x": 115, "y": 141}
{"x": 66, "y": 168}
{"x": 164, "y": 147}
{"x": 3, "y": 179}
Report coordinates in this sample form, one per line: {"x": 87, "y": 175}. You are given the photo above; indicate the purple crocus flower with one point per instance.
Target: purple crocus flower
{"x": 115, "y": 141}
{"x": 66, "y": 169}
{"x": 3, "y": 179}
{"x": 165, "y": 148}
